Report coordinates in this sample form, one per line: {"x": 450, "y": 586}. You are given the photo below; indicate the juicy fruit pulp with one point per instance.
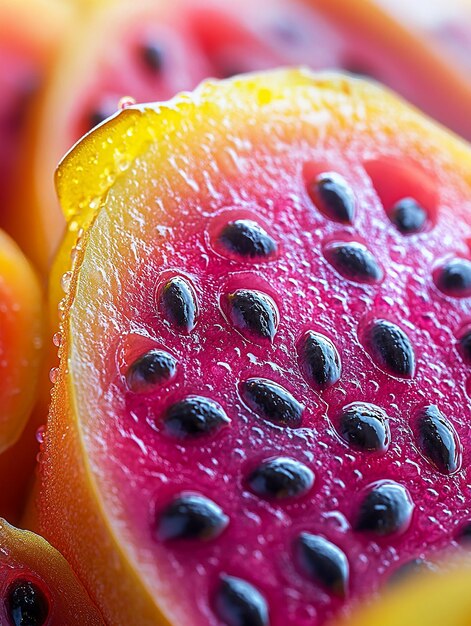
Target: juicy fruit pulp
{"x": 37, "y": 585}
{"x": 150, "y": 50}
{"x": 306, "y": 433}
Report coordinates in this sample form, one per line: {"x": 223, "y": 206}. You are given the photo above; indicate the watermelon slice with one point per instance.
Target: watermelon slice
{"x": 37, "y": 585}
{"x": 261, "y": 408}
{"x": 150, "y": 50}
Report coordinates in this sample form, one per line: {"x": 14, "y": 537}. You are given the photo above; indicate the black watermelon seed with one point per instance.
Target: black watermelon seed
{"x": 247, "y": 239}
{"x": 364, "y": 426}
{"x": 408, "y": 216}
{"x": 464, "y": 533}
{"x": 333, "y": 196}
{"x": 324, "y": 562}
{"x": 26, "y": 604}
{"x": 320, "y": 360}
{"x": 411, "y": 568}
{"x": 464, "y": 343}
{"x": 152, "y": 56}
{"x": 454, "y": 278}
{"x": 386, "y": 509}
{"x": 437, "y": 440}
{"x": 390, "y": 348}
{"x": 177, "y": 303}
{"x": 238, "y": 603}
{"x": 151, "y": 369}
{"x": 253, "y": 312}
{"x": 193, "y": 417}
{"x": 281, "y": 478}
{"x": 272, "y": 402}
{"x": 191, "y": 516}
{"x": 97, "y": 116}
{"x": 353, "y": 261}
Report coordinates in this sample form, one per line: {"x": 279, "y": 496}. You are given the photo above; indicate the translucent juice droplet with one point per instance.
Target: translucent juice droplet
{"x": 57, "y": 339}
{"x": 40, "y": 434}
{"x": 65, "y": 281}
{"x": 126, "y": 102}
{"x": 53, "y": 374}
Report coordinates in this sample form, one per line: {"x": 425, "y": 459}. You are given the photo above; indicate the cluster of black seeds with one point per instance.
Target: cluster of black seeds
{"x": 385, "y": 508}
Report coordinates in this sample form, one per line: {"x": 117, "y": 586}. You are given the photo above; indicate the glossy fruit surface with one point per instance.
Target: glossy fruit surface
{"x": 193, "y": 356}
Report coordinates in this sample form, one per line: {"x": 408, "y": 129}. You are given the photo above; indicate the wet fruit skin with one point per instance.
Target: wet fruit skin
{"x": 77, "y": 508}
{"x": 152, "y": 49}
{"x": 37, "y": 585}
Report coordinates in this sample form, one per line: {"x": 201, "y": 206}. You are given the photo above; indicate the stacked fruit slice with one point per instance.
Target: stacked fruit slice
{"x": 260, "y": 413}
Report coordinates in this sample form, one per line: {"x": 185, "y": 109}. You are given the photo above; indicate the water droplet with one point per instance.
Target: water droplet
{"x": 53, "y": 374}
{"x": 57, "y": 339}
{"x": 40, "y": 434}
{"x": 65, "y": 281}
{"x": 125, "y": 102}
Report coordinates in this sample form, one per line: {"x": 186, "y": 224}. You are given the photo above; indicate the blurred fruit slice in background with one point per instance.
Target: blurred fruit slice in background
{"x": 37, "y": 586}
{"x": 149, "y": 50}
{"x": 30, "y": 32}
{"x": 21, "y": 333}
{"x": 446, "y": 24}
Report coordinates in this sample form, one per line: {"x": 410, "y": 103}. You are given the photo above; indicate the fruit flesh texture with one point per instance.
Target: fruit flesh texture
{"x": 249, "y": 36}
{"x": 26, "y": 556}
{"x": 28, "y": 41}
{"x": 264, "y": 138}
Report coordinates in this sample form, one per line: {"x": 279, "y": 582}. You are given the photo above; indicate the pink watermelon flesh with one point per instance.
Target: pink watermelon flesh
{"x": 294, "y": 428}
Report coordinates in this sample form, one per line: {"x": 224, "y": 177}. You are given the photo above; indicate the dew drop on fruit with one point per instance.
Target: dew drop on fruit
{"x": 125, "y": 102}
{"x": 41, "y": 431}
{"x": 65, "y": 281}
{"x": 238, "y": 603}
{"x": 57, "y": 339}
{"x": 53, "y": 374}
{"x": 26, "y": 604}
{"x": 323, "y": 562}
